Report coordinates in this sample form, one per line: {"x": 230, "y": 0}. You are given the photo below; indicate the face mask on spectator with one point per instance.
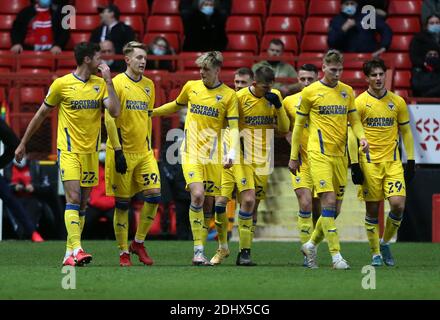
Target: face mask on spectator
{"x": 44, "y": 3}
{"x": 434, "y": 28}
{"x": 158, "y": 51}
{"x": 433, "y": 62}
{"x": 101, "y": 156}
{"x": 349, "y": 10}
{"x": 207, "y": 10}
{"x": 21, "y": 164}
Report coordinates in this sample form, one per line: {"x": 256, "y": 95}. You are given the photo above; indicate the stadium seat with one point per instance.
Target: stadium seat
{"x": 137, "y": 7}
{"x": 288, "y": 24}
{"x": 235, "y": 60}
{"x": 5, "y": 40}
{"x": 34, "y": 71}
{"x": 355, "y": 60}
{"x": 314, "y": 43}
{"x": 242, "y": 42}
{"x": 400, "y": 42}
{"x": 173, "y": 39}
{"x": 6, "y": 63}
{"x": 166, "y": 24}
{"x": 352, "y": 74}
{"x": 405, "y": 25}
{"x": 400, "y": 60}
{"x": 249, "y": 7}
{"x": 28, "y": 95}
{"x": 13, "y": 7}
{"x": 77, "y": 37}
{"x": 324, "y": 7}
{"x": 310, "y": 57}
{"x": 402, "y": 92}
{"x": 187, "y": 60}
{"x": 160, "y": 97}
{"x": 6, "y": 21}
{"x": 136, "y": 23}
{"x": 402, "y": 79}
{"x": 244, "y": 24}
{"x": 165, "y": 7}
{"x": 87, "y": 22}
{"x": 89, "y": 6}
{"x": 288, "y": 8}
{"x": 317, "y": 25}
{"x": 174, "y": 93}
{"x": 290, "y": 42}
{"x": 36, "y": 60}
{"x": 65, "y": 61}
{"x": 404, "y": 8}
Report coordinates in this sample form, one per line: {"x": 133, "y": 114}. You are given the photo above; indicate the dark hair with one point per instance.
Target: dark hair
{"x": 425, "y": 23}
{"x": 264, "y": 75}
{"x": 277, "y": 42}
{"x": 112, "y": 8}
{"x": 85, "y": 49}
{"x": 309, "y": 67}
{"x": 245, "y": 71}
{"x": 372, "y": 64}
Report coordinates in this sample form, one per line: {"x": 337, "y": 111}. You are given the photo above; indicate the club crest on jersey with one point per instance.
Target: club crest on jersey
{"x": 243, "y": 181}
{"x": 96, "y": 88}
{"x": 218, "y": 97}
{"x": 365, "y": 192}
{"x": 147, "y": 90}
{"x": 344, "y": 94}
{"x": 298, "y": 179}
{"x": 322, "y": 183}
{"x": 391, "y": 105}
{"x": 191, "y": 174}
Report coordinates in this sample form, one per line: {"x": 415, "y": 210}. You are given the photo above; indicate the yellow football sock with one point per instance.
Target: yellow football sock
{"x": 148, "y": 213}
{"x": 205, "y": 227}
{"x": 221, "y": 225}
{"x": 72, "y": 222}
{"x": 305, "y": 226}
{"x": 196, "y": 220}
{"x": 245, "y": 227}
{"x": 372, "y": 228}
{"x": 120, "y": 225}
{"x": 330, "y": 230}
{"x": 391, "y": 227}
{"x": 318, "y": 233}
{"x": 82, "y": 220}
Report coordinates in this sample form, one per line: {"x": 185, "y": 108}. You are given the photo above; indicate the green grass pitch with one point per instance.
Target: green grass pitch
{"x": 33, "y": 271}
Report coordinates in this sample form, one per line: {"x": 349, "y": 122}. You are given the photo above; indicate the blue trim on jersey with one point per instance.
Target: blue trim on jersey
{"x": 79, "y": 78}
{"x": 195, "y": 208}
{"x": 352, "y": 110}
{"x": 378, "y": 98}
{"x": 394, "y": 217}
{"x": 403, "y": 123}
{"x": 69, "y": 148}
{"x": 324, "y": 84}
{"x": 132, "y": 78}
{"x": 97, "y": 142}
{"x": 321, "y": 142}
{"x": 154, "y": 199}
{"x": 328, "y": 213}
{"x": 299, "y": 158}
{"x": 395, "y": 151}
{"x": 215, "y": 87}
{"x": 51, "y": 106}
{"x": 367, "y": 155}
{"x": 213, "y": 148}
{"x": 302, "y": 114}
{"x": 253, "y": 93}
{"x": 181, "y": 104}
{"x": 71, "y": 206}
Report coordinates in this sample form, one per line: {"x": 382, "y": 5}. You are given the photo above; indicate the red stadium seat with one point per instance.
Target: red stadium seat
{"x": 14, "y": 6}
{"x": 89, "y": 6}
{"x": 355, "y": 60}
{"x": 28, "y": 95}
{"x": 6, "y": 63}
{"x": 402, "y": 92}
{"x": 290, "y": 42}
{"x": 400, "y": 42}
{"x": 287, "y": 8}
{"x": 317, "y": 25}
{"x": 352, "y": 74}
{"x": 136, "y": 23}
{"x": 66, "y": 61}
{"x": 314, "y": 43}
{"x": 6, "y": 21}
{"x": 165, "y": 7}
{"x": 288, "y": 24}
{"x": 402, "y": 79}
{"x": 249, "y": 7}
{"x": 174, "y": 93}
{"x": 312, "y": 58}
{"x": 167, "y": 24}
{"x": 406, "y": 8}
{"x": 172, "y": 38}
{"x": 404, "y": 24}
{"x": 234, "y": 60}
{"x": 187, "y": 60}
{"x": 5, "y": 40}
{"x": 242, "y": 42}
{"x": 244, "y": 24}
{"x": 34, "y": 71}
{"x": 87, "y": 22}
{"x": 77, "y": 37}
{"x": 160, "y": 98}
{"x": 36, "y": 60}
{"x": 400, "y": 60}
{"x": 139, "y": 7}
{"x": 324, "y": 7}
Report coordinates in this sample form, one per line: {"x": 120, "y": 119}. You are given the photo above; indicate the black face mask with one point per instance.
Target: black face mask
{"x": 433, "y": 62}
{"x": 273, "y": 63}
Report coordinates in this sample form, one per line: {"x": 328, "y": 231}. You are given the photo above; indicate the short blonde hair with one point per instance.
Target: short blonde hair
{"x": 333, "y": 56}
{"x": 129, "y": 47}
{"x": 210, "y": 59}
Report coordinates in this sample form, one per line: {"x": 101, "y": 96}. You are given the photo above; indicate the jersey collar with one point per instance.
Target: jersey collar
{"x": 378, "y": 98}
{"x": 132, "y": 78}
{"x": 215, "y": 87}
{"x": 73, "y": 73}
{"x": 328, "y": 85}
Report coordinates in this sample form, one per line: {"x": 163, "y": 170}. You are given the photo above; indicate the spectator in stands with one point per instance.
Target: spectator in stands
{"x": 38, "y": 27}
{"x": 426, "y": 80}
{"x": 347, "y": 32}
{"x": 243, "y": 78}
{"x": 430, "y": 8}
{"x": 381, "y": 6}
{"x": 107, "y": 48}
{"x": 112, "y": 29}
{"x": 280, "y": 68}
{"x": 205, "y": 28}
{"x": 159, "y": 47}
{"x": 186, "y": 7}
{"x": 424, "y": 41}
{"x": 11, "y": 142}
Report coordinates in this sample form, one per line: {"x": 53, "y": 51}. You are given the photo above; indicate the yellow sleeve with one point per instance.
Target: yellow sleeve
{"x": 112, "y": 131}
{"x": 290, "y": 111}
{"x": 153, "y": 97}
{"x": 302, "y": 113}
{"x": 356, "y": 124}
{"x": 353, "y": 147}
{"x": 282, "y": 120}
{"x": 53, "y": 97}
{"x": 232, "y": 116}
{"x": 183, "y": 98}
{"x": 173, "y": 106}
{"x": 408, "y": 140}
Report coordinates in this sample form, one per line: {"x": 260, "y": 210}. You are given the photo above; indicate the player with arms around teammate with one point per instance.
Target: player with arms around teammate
{"x": 380, "y": 172}
{"x": 130, "y": 163}
{"x": 79, "y": 97}
{"x": 302, "y": 183}
{"x": 210, "y": 104}
{"x": 327, "y": 104}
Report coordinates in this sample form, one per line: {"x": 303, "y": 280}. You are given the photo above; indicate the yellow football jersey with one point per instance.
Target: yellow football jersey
{"x": 79, "y": 115}
{"x": 134, "y": 125}
{"x": 381, "y": 119}
{"x": 208, "y": 112}
{"x": 290, "y": 104}
{"x": 257, "y": 122}
{"x": 327, "y": 108}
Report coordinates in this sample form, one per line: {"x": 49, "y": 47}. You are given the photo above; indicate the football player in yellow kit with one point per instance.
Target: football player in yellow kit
{"x": 383, "y": 114}
{"x": 79, "y": 96}
{"x": 327, "y": 104}
{"x": 130, "y": 163}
